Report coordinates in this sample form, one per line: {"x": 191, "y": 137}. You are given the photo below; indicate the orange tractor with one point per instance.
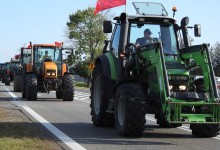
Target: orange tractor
{"x": 47, "y": 72}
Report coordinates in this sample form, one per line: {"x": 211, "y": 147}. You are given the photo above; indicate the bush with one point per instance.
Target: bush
{"x": 81, "y": 84}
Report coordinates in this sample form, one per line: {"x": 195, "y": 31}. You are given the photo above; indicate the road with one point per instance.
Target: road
{"x": 72, "y": 122}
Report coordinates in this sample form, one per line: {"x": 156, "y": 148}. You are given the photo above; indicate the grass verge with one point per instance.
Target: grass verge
{"x": 19, "y": 133}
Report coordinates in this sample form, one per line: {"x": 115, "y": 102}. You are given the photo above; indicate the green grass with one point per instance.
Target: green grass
{"x": 19, "y": 134}
{"x": 81, "y": 84}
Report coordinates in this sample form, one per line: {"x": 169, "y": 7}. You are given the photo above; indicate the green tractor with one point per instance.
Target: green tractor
{"x": 154, "y": 75}
{"x": 15, "y": 66}
{"x": 5, "y": 73}
{"x": 24, "y": 58}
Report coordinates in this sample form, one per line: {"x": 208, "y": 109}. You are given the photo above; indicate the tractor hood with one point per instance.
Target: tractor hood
{"x": 49, "y": 69}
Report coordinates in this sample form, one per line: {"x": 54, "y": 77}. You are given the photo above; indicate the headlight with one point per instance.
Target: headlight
{"x": 48, "y": 74}
{"x": 170, "y": 87}
{"x": 53, "y": 74}
{"x": 182, "y": 87}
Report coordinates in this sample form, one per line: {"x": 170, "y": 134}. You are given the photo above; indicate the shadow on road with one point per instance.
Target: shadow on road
{"x": 87, "y": 133}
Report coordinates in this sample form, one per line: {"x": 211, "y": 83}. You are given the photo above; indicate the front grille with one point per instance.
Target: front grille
{"x": 51, "y": 71}
{"x": 177, "y": 79}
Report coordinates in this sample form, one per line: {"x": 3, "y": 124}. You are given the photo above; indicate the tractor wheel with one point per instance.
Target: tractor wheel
{"x": 68, "y": 87}
{"x": 23, "y": 86}
{"x": 99, "y": 99}
{"x": 17, "y": 83}
{"x": 31, "y": 87}
{"x": 161, "y": 121}
{"x": 3, "y": 78}
{"x": 130, "y": 110}
{"x": 59, "y": 94}
{"x": 205, "y": 130}
{"x": 7, "y": 79}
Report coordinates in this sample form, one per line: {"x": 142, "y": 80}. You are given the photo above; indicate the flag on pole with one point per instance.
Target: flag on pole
{"x": 58, "y": 44}
{"x": 28, "y": 45}
{"x": 106, "y": 4}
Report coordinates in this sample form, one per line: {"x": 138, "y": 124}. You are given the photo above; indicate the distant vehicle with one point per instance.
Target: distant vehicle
{"x": 47, "y": 72}
{"x": 5, "y": 73}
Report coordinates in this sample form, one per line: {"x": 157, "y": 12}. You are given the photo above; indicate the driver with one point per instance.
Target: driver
{"x": 146, "y": 39}
{"x": 45, "y": 56}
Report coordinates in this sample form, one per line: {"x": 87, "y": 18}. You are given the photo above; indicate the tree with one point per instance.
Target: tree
{"x": 86, "y": 29}
{"x": 215, "y": 56}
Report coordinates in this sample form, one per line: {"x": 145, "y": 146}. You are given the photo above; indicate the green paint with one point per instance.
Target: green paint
{"x": 113, "y": 65}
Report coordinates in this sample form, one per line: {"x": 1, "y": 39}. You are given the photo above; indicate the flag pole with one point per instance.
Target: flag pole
{"x": 125, "y": 6}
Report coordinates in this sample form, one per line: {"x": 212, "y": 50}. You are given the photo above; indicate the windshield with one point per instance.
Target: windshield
{"x": 26, "y": 56}
{"x": 149, "y": 8}
{"x": 149, "y": 33}
{"x": 47, "y": 53}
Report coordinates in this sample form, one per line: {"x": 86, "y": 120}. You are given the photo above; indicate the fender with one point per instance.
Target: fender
{"x": 109, "y": 65}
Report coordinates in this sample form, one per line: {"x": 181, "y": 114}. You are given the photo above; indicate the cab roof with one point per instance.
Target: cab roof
{"x": 148, "y": 19}
{"x": 44, "y": 45}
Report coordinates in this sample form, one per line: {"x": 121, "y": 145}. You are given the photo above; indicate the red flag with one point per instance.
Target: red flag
{"x": 28, "y": 46}
{"x": 58, "y": 44}
{"x": 106, "y": 4}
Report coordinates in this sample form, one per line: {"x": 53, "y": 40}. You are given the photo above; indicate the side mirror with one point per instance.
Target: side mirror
{"x": 197, "y": 30}
{"x": 107, "y": 26}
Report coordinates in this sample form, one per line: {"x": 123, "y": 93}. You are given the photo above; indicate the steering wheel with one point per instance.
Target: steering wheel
{"x": 131, "y": 48}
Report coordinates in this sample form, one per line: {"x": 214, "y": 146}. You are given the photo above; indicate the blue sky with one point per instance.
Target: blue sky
{"x": 44, "y": 21}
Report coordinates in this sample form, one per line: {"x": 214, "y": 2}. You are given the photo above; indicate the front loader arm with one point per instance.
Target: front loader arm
{"x": 201, "y": 56}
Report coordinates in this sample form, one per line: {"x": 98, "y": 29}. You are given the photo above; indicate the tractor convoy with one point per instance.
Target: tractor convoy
{"x": 40, "y": 68}
{"x": 154, "y": 75}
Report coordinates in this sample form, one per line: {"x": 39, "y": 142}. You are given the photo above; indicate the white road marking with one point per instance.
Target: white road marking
{"x": 59, "y": 134}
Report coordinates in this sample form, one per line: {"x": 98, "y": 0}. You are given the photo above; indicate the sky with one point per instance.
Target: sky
{"x": 44, "y": 21}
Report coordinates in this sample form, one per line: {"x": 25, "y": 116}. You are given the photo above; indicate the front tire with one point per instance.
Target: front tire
{"x": 130, "y": 110}
{"x": 205, "y": 130}
{"x": 161, "y": 121}
{"x": 3, "y": 78}
{"x": 17, "y": 83}
{"x": 31, "y": 87}
{"x": 99, "y": 99}
{"x": 7, "y": 79}
{"x": 23, "y": 90}
{"x": 68, "y": 87}
{"x": 59, "y": 94}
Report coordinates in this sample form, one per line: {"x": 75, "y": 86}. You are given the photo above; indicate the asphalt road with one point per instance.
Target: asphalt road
{"x": 74, "y": 120}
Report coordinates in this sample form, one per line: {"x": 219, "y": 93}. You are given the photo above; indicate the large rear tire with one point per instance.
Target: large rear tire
{"x": 205, "y": 130}
{"x": 31, "y": 87}
{"x": 68, "y": 87}
{"x": 99, "y": 99}
{"x": 17, "y": 83}
{"x": 130, "y": 110}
